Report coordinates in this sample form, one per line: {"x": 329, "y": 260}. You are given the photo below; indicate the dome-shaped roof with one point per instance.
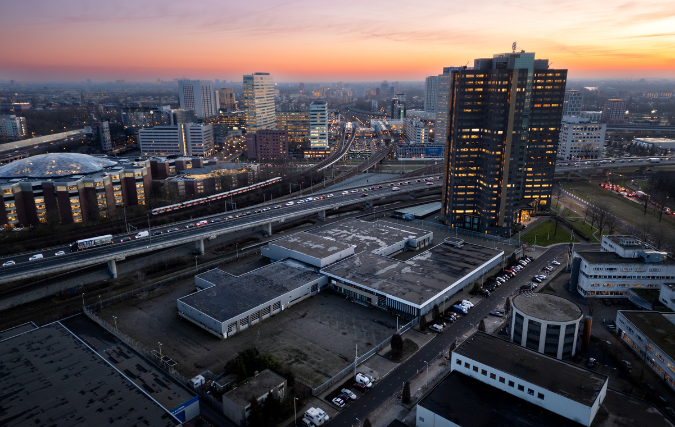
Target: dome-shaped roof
{"x": 54, "y": 165}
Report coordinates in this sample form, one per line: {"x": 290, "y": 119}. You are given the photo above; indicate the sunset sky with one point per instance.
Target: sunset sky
{"x": 143, "y": 40}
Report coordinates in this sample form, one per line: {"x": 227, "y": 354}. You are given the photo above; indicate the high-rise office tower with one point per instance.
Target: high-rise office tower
{"x": 398, "y": 110}
{"x": 199, "y": 96}
{"x": 614, "y": 112}
{"x": 431, "y": 94}
{"x": 573, "y": 102}
{"x": 503, "y": 126}
{"x": 258, "y": 100}
{"x": 101, "y": 134}
{"x": 227, "y": 99}
{"x": 318, "y": 124}
{"x": 441, "y": 126}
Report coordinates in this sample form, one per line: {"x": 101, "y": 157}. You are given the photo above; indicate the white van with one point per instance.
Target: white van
{"x": 35, "y": 257}
{"x": 142, "y": 234}
{"x": 314, "y": 416}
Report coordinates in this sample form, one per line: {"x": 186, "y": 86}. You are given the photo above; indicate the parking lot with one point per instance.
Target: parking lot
{"x": 315, "y": 338}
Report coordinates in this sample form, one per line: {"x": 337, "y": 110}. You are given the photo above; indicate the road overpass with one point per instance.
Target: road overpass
{"x": 51, "y": 264}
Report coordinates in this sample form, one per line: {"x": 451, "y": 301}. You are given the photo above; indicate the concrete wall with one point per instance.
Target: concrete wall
{"x": 426, "y": 418}
{"x": 234, "y": 412}
{"x": 542, "y": 334}
{"x": 553, "y": 402}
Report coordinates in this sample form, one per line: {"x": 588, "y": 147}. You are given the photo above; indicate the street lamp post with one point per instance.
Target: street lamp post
{"x": 149, "y": 231}
{"x": 115, "y": 318}
{"x": 295, "y": 414}
{"x": 82, "y": 299}
{"x": 160, "y": 348}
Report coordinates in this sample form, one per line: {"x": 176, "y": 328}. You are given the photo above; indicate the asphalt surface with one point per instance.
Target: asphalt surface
{"x": 627, "y": 162}
{"x": 273, "y": 215}
{"x": 385, "y": 388}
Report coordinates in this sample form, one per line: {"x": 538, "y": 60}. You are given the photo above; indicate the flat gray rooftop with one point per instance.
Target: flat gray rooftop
{"x": 577, "y": 384}
{"x": 155, "y": 382}
{"x": 597, "y": 257}
{"x": 548, "y": 307}
{"x": 257, "y": 386}
{"x": 12, "y": 332}
{"x": 472, "y": 403}
{"x": 658, "y": 327}
{"x": 420, "y": 211}
{"x": 215, "y": 276}
{"x": 311, "y": 244}
{"x": 233, "y": 295}
{"x": 418, "y": 279}
{"x": 49, "y": 377}
{"x": 369, "y": 236}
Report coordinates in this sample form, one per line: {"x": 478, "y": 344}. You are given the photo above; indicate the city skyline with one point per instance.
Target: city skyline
{"x": 74, "y": 40}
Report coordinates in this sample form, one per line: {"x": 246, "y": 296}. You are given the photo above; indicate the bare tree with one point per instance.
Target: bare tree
{"x": 611, "y": 223}
{"x": 602, "y": 215}
{"x": 593, "y": 304}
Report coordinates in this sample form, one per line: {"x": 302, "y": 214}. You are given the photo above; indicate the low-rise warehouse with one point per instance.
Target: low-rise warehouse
{"x": 309, "y": 248}
{"x": 233, "y": 303}
{"x": 237, "y": 402}
{"x": 416, "y": 285}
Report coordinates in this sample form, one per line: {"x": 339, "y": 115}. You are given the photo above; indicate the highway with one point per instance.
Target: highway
{"x": 626, "y": 162}
{"x": 385, "y": 388}
{"x": 187, "y": 231}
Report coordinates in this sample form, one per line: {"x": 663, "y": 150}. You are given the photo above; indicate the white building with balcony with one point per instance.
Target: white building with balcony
{"x": 580, "y": 138}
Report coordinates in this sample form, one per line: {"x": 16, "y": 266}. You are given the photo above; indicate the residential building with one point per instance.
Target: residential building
{"x": 546, "y": 323}
{"x": 318, "y": 124}
{"x": 267, "y": 144}
{"x": 500, "y": 159}
{"x": 650, "y": 334}
{"x": 494, "y": 382}
{"x": 227, "y": 99}
{"x": 258, "y": 101}
{"x": 442, "y": 109}
{"x": 237, "y": 402}
{"x": 416, "y": 132}
{"x": 101, "y": 133}
{"x": 182, "y": 139}
{"x": 296, "y": 123}
{"x": 198, "y": 96}
{"x": 573, "y": 103}
{"x": 431, "y": 94}
{"x": 12, "y": 127}
{"x": 614, "y": 112}
{"x": 622, "y": 264}
{"x": 580, "y": 138}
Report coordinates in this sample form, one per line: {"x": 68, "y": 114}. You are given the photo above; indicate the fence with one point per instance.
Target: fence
{"x": 352, "y": 366}
{"x": 152, "y": 358}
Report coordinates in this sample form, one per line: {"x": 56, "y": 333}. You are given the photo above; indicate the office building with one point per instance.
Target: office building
{"x": 503, "y": 129}
{"x": 267, "y": 144}
{"x": 227, "y": 99}
{"x": 650, "y": 334}
{"x": 296, "y": 123}
{"x": 581, "y": 139}
{"x": 182, "y": 139}
{"x": 398, "y": 110}
{"x": 258, "y": 102}
{"x": 431, "y": 94}
{"x": 622, "y": 264}
{"x": 416, "y": 132}
{"x": 546, "y": 323}
{"x": 198, "y": 96}
{"x": 12, "y": 127}
{"x": 318, "y": 124}
{"x": 442, "y": 108}
{"x": 593, "y": 116}
{"x": 614, "y": 112}
{"x": 101, "y": 134}
{"x": 573, "y": 103}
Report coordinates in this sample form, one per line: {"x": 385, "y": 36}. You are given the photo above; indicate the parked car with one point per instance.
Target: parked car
{"x": 436, "y": 328}
{"x": 307, "y": 423}
{"x": 591, "y": 362}
{"x": 536, "y": 279}
{"x": 467, "y": 302}
{"x": 349, "y": 393}
{"x": 555, "y": 263}
{"x": 460, "y": 309}
{"x": 496, "y": 313}
{"x": 338, "y": 402}
{"x": 484, "y": 292}
{"x": 362, "y": 379}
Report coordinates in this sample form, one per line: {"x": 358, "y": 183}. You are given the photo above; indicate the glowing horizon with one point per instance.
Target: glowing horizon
{"x": 74, "y": 40}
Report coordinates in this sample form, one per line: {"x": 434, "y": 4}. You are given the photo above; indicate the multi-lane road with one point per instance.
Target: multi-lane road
{"x": 626, "y": 162}
{"x": 385, "y": 387}
{"x": 188, "y": 231}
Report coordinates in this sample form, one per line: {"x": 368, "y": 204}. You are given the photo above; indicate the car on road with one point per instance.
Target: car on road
{"x": 349, "y": 393}
{"x": 8, "y": 263}
{"x": 277, "y": 207}
{"x": 344, "y": 193}
{"x": 171, "y": 230}
{"x": 364, "y": 194}
{"x": 157, "y": 233}
{"x": 290, "y": 203}
{"x": 301, "y": 201}
{"x": 230, "y": 217}
{"x": 330, "y": 195}
{"x": 496, "y": 313}
{"x": 430, "y": 183}
{"x": 36, "y": 257}
{"x": 59, "y": 253}
{"x": 201, "y": 223}
{"x": 338, "y": 402}
{"x": 126, "y": 239}
{"x": 555, "y": 263}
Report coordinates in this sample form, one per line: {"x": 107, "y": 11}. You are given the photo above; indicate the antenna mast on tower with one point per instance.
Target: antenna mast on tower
{"x": 513, "y": 46}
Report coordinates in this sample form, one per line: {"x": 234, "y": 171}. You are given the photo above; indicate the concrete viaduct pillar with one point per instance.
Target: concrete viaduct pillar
{"x": 267, "y": 229}
{"x": 199, "y": 244}
{"x": 322, "y": 215}
{"x": 112, "y": 268}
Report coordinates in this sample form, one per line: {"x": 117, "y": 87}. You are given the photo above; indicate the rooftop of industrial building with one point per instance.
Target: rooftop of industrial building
{"x": 577, "y": 384}
{"x": 312, "y": 245}
{"x": 369, "y": 235}
{"x": 418, "y": 279}
{"x": 17, "y": 330}
{"x": 657, "y": 327}
{"x": 469, "y": 402}
{"x": 257, "y": 386}
{"x": 547, "y": 307}
{"x": 598, "y": 257}
{"x": 49, "y": 377}
{"x": 233, "y": 295}
{"x": 420, "y": 211}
